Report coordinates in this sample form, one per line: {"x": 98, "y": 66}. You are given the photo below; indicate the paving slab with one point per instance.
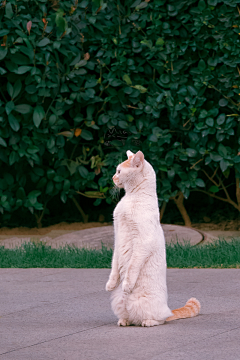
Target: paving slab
{"x": 65, "y": 314}
{"x": 94, "y": 237}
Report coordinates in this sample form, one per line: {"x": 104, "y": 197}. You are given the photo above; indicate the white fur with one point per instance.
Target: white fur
{"x": 138, "y": 275}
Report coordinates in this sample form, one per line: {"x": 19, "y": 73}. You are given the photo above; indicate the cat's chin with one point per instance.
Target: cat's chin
{"x": 120, "y": 186}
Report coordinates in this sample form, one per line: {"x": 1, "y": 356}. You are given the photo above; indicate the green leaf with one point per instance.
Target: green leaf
{"x": 13, "y": 158}
{"x": 23, "y": 69}
{"x": 224, "y": 165}
{"x": 34, "y": 194}
{"x": 212, "y": 61}
{"x": 81, "y": 63}
{"x": 222, "y": 150}
{"x": 63, "y": 197}
{"x": 142, "y": 5}
{"x": 171, "y": 173}
{"x": 38, "y": 115}
{"x": 214, "y": 189}
{"x": 60, "y": 21}
{"x": 165, "y": 79}
{"x": 83, "y": 171}
{"x": 45, "y": 41}
{"x": 17, "y": 88}
{"x": 163, "y": 168}
{"x": 200, "y": 182}
{"x": 136, "y": 3}
{"x": 9, "y": 107}
{"x": 201, "y": 5}
{"x": 58, "y": 178}
{"x": 3, "y": 53}
{"x": 127, "y": 79}
{"x": 67, "y": 185}
{"x": 212, "y": 2}
{"x": 33, "y": 149}
{"x": 97, "y": 202}
{"x": 210, "y": 122}
{"x": 87, "y": 135}
{"x": 202, "y": 65}
{"x": 3, "y": 142}
{"x": 10, "y": 89}
{"x": 192, "y": 91}
{"x": 221, "y": 119}
{"x": 191, "y": 152}
{"x": 215, "y": 157}
{"x": 8, "y": 10}
{"x": 141, "y": 88}
{"x": 50, "y": 174}
{"x": 2, "y": 71}
{"x": 203, "y": 114}
{"x": 123, "y": 124}
{"x": 4, "y": 32}
{"x": 223, "y": 102}
{"x": 50, "y": 187}
{"x": 159, "y": 42}
{"x": 13, "y": 122}
{"x": 153, "y": 138}
{"x": 23, "y": 109}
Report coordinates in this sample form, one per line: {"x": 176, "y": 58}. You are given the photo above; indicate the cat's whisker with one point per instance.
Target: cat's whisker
{"x": 115, "y": 192}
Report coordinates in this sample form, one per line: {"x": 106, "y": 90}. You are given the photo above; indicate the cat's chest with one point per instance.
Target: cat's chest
{"x": 123, "y": 212}
{"x": 125, "y": 232}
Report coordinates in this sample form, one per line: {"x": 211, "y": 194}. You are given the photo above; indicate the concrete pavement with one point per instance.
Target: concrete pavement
{"x": 65, "y": 314}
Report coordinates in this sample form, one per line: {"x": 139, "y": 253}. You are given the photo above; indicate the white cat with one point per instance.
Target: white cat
{"x": 138, "y": 275}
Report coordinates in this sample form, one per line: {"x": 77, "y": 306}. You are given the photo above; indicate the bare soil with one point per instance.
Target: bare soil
{"x": 23, "y": 231}
{"x": 224, "y": 225}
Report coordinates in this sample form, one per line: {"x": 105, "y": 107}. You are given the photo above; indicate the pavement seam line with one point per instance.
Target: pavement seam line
{"x": 193, "y": 342}
{"x": 60, "y": 337}
{"x": 95, "y": 327}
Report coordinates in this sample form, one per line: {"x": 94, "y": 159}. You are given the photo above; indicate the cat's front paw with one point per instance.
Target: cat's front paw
{"x": 123, "y": 322}
{"x": 126, "y": 288}
{"x": 111, "y": 285}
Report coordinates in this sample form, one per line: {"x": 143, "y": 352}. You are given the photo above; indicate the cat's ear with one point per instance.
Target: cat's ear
{"x": 138, "y": 159}
{"x": 129, "y": 153}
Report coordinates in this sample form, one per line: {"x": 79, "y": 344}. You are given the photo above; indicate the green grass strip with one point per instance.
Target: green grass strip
{"x": 220, "y": 254}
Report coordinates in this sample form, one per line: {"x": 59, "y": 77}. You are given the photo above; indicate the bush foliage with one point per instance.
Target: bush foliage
{"x": 165, "y": 72}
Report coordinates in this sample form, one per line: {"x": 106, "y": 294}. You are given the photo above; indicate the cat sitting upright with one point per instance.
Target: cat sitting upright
{"x": 138, "y": 275}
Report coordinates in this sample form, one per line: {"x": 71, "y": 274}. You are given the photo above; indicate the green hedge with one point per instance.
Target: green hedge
{"x": 167, "y": 72}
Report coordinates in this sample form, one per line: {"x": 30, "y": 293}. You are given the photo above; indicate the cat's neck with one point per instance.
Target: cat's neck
{"x": 146, "y": 186}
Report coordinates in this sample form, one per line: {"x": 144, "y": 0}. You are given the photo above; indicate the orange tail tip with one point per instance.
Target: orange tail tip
{"x": 191, "y": 309}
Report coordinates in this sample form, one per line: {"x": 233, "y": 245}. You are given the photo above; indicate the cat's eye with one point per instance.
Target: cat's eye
{"x": 118, "y": 172}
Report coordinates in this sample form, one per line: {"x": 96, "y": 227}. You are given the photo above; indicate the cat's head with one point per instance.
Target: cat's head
{"x": 130, "y": 171}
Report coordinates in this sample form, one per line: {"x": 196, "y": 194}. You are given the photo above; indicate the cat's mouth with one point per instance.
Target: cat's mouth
{"x": 117, "y": 183}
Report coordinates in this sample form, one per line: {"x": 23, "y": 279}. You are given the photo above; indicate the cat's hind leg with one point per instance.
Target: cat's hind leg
{"x": 119, "y": 307}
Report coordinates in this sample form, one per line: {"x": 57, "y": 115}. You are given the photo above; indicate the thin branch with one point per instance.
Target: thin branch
{"x": 92, "y": 196}
{"x": 224, "y": 189}
{"x": 162, "y": 210}
{"x": 211, "y": 178}
{"x": 84, "y": 216}
{"x": 219, "y": 198}
{"x": 195, "y": 164}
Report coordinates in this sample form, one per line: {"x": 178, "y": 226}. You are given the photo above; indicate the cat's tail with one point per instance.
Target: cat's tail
{"x": 191, "y": 309}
